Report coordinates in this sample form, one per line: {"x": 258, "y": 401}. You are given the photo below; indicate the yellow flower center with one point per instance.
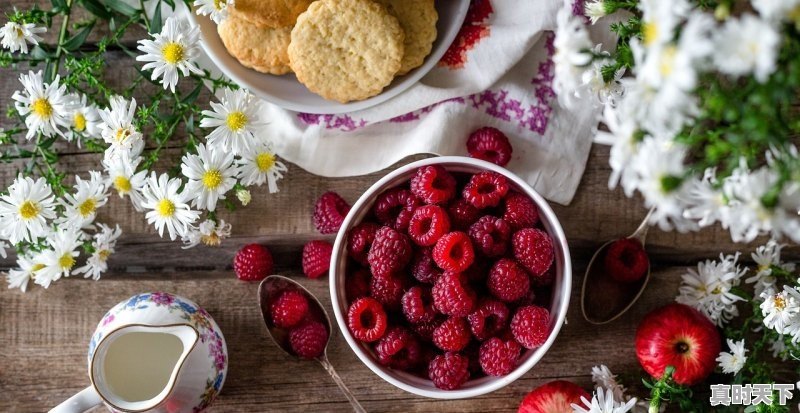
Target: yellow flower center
{"x": 236, "y": 121}
{"x": 122, "y": 134}
{"x": 20, "y": 33}
{"x": 28, "y": 210}
{"x": 103, "y": 254}
{"x": 87, "y": 207}
{"x": 265, "y": 161}
{"x": 37, "y": 267}
{"x": 42, "y": 108}
{"x": 668, "y": 60}
{"x": 122, "y": 184}
{"x": 212, "y": 179}
{"x": 219, "y": 3}
{"x": 165, "y": 208}
{"x": 212, "y": 239}
{"x": 650, "y": 31}
{"x": 780, "y": 303}
{"x": 66, "y": 261}
{"x": 80, "y": 122}
{"x": 173, "y": 53}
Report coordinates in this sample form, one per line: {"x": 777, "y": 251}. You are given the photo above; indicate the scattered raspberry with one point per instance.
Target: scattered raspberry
{"x": 433, "y": 184}
{"x": 533, "y": 248}
{"x": 462, "y": 214}
{"x": 499, "y": 357}
{"x": 418, "y": 305}
{"x": 508, "y": 281}
{"x": 452, "y": 295}
{"x": 490, "y": 235}
{"x": 449, "y": 371}
{"x": 399, "y": 349}
{"x": 423, "y": 268}
{"x": 453, "y": 252}
{"x": 252, "y": 263}
{"x": 308, "y": 340}
{"x": 356, "y": 284}
{"x": 387, "y": 289}
{"x": 288, "y": 309}
{"x": 452, "y": 334}
{"x": 626, "y": 261}
{"x": 428, "y": 224}
{"x": 390, "y": 252}
{"x": 329, "y": 212}
{"x": 488, "y": 319}
{"x": 491, "y": 145}
{"x": 395, "y": 208}
{"x": 485, "y": 189}
{"x": 360, "y": 239}
{"x": 367, "y": 319}
{"x": 317, "y": 258}
{"x": 520, "y": 211}
{"x": 531, "y": 326}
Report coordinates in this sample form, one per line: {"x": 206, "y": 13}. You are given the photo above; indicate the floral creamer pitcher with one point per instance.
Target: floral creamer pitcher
{"x": 155, "y": 352}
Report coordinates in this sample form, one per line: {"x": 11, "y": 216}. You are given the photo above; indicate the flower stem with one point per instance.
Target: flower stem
{"x": 62, "y": 34}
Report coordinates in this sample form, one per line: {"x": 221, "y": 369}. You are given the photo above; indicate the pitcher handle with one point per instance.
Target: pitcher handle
{"x": 81, "y": 402}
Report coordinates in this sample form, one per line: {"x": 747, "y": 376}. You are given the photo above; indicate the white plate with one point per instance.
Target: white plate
{"x": 287, "y": 92}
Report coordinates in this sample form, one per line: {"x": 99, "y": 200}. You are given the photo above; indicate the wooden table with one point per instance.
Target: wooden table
{"x": 44, "y": 333}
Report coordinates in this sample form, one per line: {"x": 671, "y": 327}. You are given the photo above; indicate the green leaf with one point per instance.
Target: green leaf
{"x": 39, "y": 53}
{"x": 96, "y": 8}
{"x": 58, "y": 4}
{"x": 192, "y": 97}
{"x": 120, "y": 7}
{"x": 75, "y": 42}
{"x": 155, "y": 20}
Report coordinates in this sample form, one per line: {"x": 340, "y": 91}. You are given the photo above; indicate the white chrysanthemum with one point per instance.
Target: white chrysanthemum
{"x": 594, "y": 86}
{"x": 746, "y": 45}
{"x": 660, "y": 18}
{"x": 60, "y": 258}
{"x": 259, "y": 164}
{"x": 44, "y": 106}
{"x": 117, "y": 127}
{"x": 745, "y": 190}
{"x": 208, "y": 233}
{"x": 621, "y": 135}
{"x": 704, "y": 202}
{"x": 778, "y": 348}
{"x": 171, "y": 51}
{"x": 15, "y": 36}
{"x": 25, "y": 271}
{"x": 709, "y": 289}
{"x": 605, "y": 380}
{"x": 84, "y": 118}
{"x": 732, "y": 362}
{"x": 123, "y": 177}
{"x": 572, "y": 56}
{"x": 211, "y": 174}
{"x": 168, "y": 207}
{"x": 776, "y": 10}
{"x": 80, "y": 208}
{"x": 595, "y": 10}
{"x": 765, "y": 257}
{"x": 103, "y": 242}
{"x": 25, "y": 210}
{"x": 603, "y": 402}
{"x": 217, "y": 10}
{"x": 780, "y": 309}
{"x": 235, "y": 119}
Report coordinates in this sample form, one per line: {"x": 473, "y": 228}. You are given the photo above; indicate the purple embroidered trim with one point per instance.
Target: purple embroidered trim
{"x": 342, "y": 122}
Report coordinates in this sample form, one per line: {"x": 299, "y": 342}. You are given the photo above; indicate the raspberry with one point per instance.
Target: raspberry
{"x": 329, "y": 212}
{"x": 491, "y": 145}
{"x": 546, "y": 279}
{"x": 499, "y": 357}
{"x": 288, "y": 309}
{"x": 452, "y": 334}
{"x": 534, "y": 250}
{"x": 488, "y": 319}
{"x": 485, "y": 189}
{"x": 252, "y": 263}
{"x": 360, "y": 239}
{"x": 453, "y": 252}
{"x": 490, "y": 235}
{"x": 531, "y": 326}
{"x": 520, "y": 211}
{"x": 390, "y": 252}
{"x": 433, "y": 184}
{"x": 387, "y": 289}
{"x": 395, "y": 208}
{"x": 418, "y": 305}
{"x": 308, "y": 340}
{"x": 367, "y": 319}
{"x": 399, "y": 349}
{"x": 356, "y": 284}
{"x": 626, "y": 260}
{"x": 462, "y": 214}
{"x": 317, "y": 258}
{"x": 428, "y": 224}
{"x": 452, "y": 295}
{"x": 423, "y": 268}
{"x": 449, "y": 371}
{"x": 508, "y": 281}
{"x": 425, "y": 330}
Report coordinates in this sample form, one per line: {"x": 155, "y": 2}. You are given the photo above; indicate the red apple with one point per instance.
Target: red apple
{"x": 553, "y": 397}
{"x": 680, "y": 336}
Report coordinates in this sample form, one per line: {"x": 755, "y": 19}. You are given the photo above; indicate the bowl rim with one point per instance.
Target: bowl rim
{"x": 489, "y": 384}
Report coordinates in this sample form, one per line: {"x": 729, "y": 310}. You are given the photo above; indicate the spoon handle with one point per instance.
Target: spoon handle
{"x": 641, "y": 232}
{"x": 338, "y": 380}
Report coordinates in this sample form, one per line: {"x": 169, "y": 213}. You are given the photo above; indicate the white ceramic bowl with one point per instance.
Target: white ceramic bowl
{"x": 560, "y": 290}
{"x": 287, "y": 92}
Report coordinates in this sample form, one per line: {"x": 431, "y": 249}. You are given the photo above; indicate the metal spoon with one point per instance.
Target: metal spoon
{"x": 603, "y": 299}
{"x": 275, "y": 284}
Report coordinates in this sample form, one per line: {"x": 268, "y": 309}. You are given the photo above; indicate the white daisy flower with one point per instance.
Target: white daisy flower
{"x": 660, "y": 18}
{"x": 168, "y": 207}
{"x": 780, "y": 309}
{"x": 84, "y": 118}
{"x": 208, "y": 233}
{"x": 59, "y": 260}
{"x": 123, "y": 177}
{"x": 603, "y": 402}
{"x": 595, "y": 9}
{"x": 80, "y": 208}
{"x": 235, "y": 119}
{"x": 259, "y": 164}
{"x": 44, "y": 106}
{"x": 103, "y": 243}
{"x": 748, "y": 216}
{"x": 765, "y": 257}
{"x": 25, "y": 210}
{"x": 217, "y": 10}
{"x": 117, "y": 127}
{"x": 775, "y": 10}
{"x": 747, "y": 45}
{"x": 703, "y": 200}
{"x": 211, "y": 174}
{"x": 709, "y": 289}
{"x": 26, "y": 271}
{"x": 605, "y": 380}
{"x": 732, "y": 362}
{"x": 622, "y": 136}
{"x": 572, "y": 56}
{"x": 171, "y": 51}
{"x": 15, "y": 36}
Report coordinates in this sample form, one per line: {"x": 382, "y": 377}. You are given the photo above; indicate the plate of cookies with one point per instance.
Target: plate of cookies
{"x": 330, "y": 56}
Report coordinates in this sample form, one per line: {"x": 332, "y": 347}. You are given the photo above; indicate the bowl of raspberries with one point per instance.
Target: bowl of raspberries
{"x": 450, "y": 277}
